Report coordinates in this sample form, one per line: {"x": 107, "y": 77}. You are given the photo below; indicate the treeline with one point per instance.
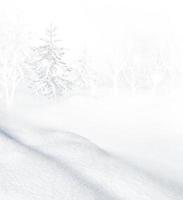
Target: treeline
{"x": 46, "y": 71}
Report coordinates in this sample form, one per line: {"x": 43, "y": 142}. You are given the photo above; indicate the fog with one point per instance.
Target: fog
{"x": 107, "y": 29}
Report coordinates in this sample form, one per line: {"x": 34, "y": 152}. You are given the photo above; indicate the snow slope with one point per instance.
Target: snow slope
{"x": 66, "y": 166}
{"x": 42, "y": 158}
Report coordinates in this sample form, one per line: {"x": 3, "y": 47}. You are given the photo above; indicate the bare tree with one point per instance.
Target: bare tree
{"x": 116, "y": 63}
{"x": 87, "y": 76}
{"x": 11, "y": 60}
{"x": 116, "y": 68}
{"x": 146, "y": 71}
{"x": 160, "y": 73}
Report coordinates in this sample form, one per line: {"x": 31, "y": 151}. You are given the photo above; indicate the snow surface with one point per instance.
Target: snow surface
{"x": 87, "y": 148}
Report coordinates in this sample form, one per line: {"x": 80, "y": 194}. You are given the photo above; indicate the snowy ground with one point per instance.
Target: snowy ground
{"x": 93, "y": 148}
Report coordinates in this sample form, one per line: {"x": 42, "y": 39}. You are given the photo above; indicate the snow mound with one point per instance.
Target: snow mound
{"x": 55, "y": 165}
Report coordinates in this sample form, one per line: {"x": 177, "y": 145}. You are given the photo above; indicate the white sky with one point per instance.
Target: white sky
{"x": 106, "y": 27}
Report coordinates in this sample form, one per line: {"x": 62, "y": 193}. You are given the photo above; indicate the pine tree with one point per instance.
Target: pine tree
{"x": 50, "y": 74}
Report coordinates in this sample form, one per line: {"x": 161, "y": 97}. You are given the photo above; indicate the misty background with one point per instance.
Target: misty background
{"x": 129, "y": 45}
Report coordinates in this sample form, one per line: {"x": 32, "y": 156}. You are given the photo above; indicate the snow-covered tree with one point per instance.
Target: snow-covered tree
{"x": 146, "y": 71}
{"x": 87, "y": 76}
{"x": 48, "y": 73}
{"x": 135, "y": 72}
{"x": 160, "y": 73}
{"x": 115, "y": 63}
{"x": 11, "y": 60}
{"x": 115, "y": 66}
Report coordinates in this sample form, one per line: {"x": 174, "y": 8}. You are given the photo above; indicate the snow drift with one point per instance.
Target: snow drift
{"x": 48, "y": 163}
